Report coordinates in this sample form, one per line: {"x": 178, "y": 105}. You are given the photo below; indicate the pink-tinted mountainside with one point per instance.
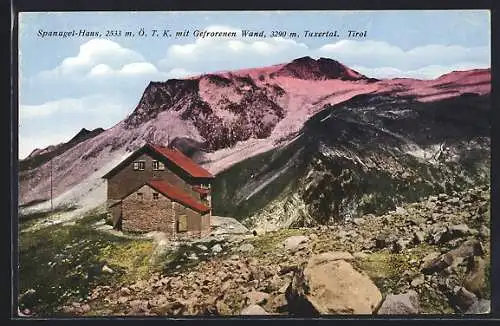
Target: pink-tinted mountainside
{"x": 234, "y": 115}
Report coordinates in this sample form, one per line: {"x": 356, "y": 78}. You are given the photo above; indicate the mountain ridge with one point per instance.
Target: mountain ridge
{"x": 230, "y": 116}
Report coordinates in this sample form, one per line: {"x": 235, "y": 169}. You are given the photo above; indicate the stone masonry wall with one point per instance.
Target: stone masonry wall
{"x": 148, "y": 214}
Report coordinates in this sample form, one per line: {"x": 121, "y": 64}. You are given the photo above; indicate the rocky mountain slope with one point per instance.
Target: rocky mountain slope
{"x": 40, "y": 156}
{"x": 227, "y": 117}
{"x": 430, "y": 256}
{"x": 365, "y": 155}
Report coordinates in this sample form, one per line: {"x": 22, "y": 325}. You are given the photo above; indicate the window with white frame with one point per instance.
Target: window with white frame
{"x": 157, "y": 165}
{"x": 139, "y": 165}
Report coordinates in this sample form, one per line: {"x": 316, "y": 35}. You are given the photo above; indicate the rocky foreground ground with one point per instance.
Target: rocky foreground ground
{"x": 428, "y": 257}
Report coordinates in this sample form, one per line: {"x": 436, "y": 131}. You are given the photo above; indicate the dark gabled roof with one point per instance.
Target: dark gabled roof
{"x": 178, "y": 195}
{"x": 173, "y": 155}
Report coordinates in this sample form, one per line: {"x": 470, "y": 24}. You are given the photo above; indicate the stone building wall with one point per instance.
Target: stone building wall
{"x": 148, "y": 214}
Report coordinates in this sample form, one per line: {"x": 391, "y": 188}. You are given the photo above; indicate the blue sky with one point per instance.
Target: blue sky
{"x": 70, "y": 83}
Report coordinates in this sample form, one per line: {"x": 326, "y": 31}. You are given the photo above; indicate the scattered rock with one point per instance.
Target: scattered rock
{"x": 484, "y": 231}
{"x": 123, "y": 299}
{"x": 480, "y": 307}
{"x": 254, "y": 310}
{"x": 467, "y": 249}
{"x": 106, "y": 269}
{"x": 222, "y": 308}
{"x": 399, "y": 245}
{"x": 475, "y": 280}
{"x": 256, "y": 297}
{"x": 463, "y": 299}
{"x": 125, "y": 291}
{"x": 328, "y": 286}
{"x": 458, "y": 230}
{"x": 217, "y": 248}
{"x": 442, "y": 197}
{"x": 192, "y": 256}
{"x": 246, "y": 247}
{"x": 400, "y": 304}
{"x": 358, "y": 221}
{"x": 418, "y": 280}
{"x": 428, "y": 260}
{"x": 330, "y": 256}
{"x": 292, "y": 243}
{"x": 401, "y": 211}
{"x": 138, "y": 306}
{"x": 418, "y": 237}
{"x": 202, "y": 247}
{"x": 432, "y": 198}
{"x": 439, "y": 236}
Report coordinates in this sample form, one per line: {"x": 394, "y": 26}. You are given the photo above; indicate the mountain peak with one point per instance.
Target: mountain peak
{"x": 318, "y": 69}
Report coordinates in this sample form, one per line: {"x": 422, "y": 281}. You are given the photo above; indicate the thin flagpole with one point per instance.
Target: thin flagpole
{"x": 51, "y": 203}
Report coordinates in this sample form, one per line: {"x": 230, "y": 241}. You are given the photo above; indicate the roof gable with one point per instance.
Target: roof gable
{"x": 174, "y": 156}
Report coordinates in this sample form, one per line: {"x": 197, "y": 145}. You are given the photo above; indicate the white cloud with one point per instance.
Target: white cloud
{"x": 427, "y": 72}
{"x": 376, "y": 54}
{"x": 98, "y": 58}
{"x": 129, "y": 69}
{"x": 98, "y": 51}
{"x": 378, "y": 57}
{"x": 211, "y": 54}
{"x": 89, "y": 104}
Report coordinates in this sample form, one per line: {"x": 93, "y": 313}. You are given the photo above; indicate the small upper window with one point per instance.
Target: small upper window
{"x": 157, "y": 165}
{"x": 155, "y": 195}
{"x": 139, "y": 165}
{"x": 139, "y": 195}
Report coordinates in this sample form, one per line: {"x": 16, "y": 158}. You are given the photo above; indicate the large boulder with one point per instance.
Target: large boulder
{"x": 462, "y": 298}
{"x": 330, "y": 285}
{"x": 475, "y": 280}
{"x": 400, "y": 304}
{"x": 454, "y": 257}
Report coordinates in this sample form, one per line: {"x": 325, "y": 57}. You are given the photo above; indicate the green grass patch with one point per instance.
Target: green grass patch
{"x": 268, "y": 242}
{"x": 62, "y": 263}
{"x": 131, "y": 258}
{"x": 28, "y": 220}
{"x": 386, "y": 269}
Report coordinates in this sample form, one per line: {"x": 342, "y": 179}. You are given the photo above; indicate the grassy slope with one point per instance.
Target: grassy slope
{"x": 63, "y": 263}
